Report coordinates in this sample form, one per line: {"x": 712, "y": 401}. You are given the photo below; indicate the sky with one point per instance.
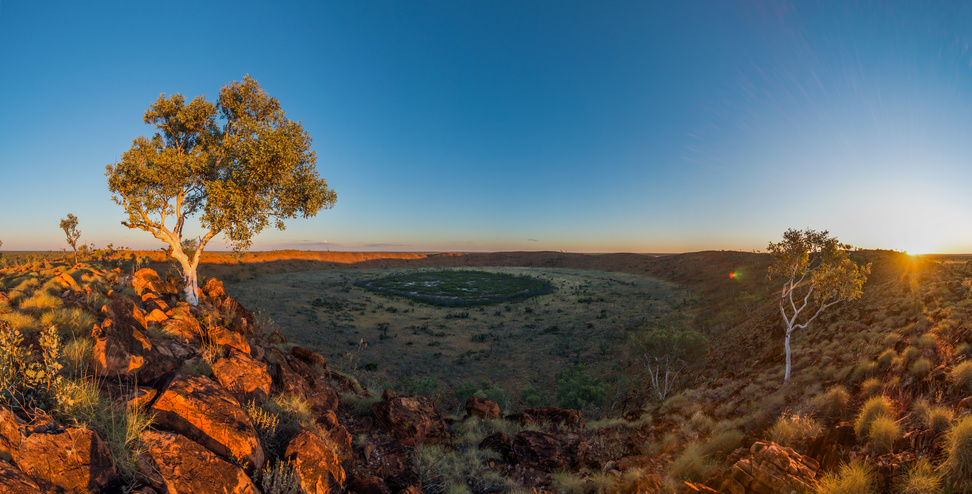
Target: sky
{"x": 608, "y": 126}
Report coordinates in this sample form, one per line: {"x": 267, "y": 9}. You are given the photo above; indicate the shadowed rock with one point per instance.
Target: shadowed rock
{"x": 482, "y": 407}
{"x": 548, "y": 452}
{"x": 411, "y": 419}
{"x": 244, "y": 377}
{"x": 72, "y": 460}
{"x": 770, "y": 468}
{"x": 13, "y": 481}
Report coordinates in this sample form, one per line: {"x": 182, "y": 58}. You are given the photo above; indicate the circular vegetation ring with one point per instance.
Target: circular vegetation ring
{"x": 459, "y": 288}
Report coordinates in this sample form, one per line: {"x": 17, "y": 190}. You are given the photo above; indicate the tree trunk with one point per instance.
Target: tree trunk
{"x": 786, "y": 377}
{"x": 189, "y": 278}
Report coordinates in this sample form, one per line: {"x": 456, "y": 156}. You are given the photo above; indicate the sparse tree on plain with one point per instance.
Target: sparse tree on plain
{"x": 70, "y": 227}
{"x": 817, "y": 273}
{"x": 665, "y": 350}
{"x": 239, "y": 164}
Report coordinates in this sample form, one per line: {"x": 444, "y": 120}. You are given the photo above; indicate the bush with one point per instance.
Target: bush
{"x": 921, "y": 367}
{"x": 920, "y": 479}
{"x": 873, "y": 408}
{"x": 938, "y": 418}
{"x": 958, "y": 463}
{"x": 871, "y": 386}
{"x": 281, "y": 478}
{"x": 790, "y": 430}
{"x": 831, "y": 405}
{"x": 442, "y": 469}
{"x": 576, "y": 389}
{"x": 884, "y": 431}
{"x": 71, "y": 322}
{"x": 962, "y": 376}
{"x": 853, "y": 478}
{"x": 886, "y": 358}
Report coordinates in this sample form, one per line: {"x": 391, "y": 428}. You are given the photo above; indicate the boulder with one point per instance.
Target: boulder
{"x": 411, "y": 419}
{"x": 498, "y": 442}
{"x": 830, "y": 448}
{"x": 201, "y": 410}
{"x": 244, "y": 377}
{"x": 10, "y": 431}
{"x": 482, "y": 407}
{"x": 239, "y": 319}
{"x": 122, "y": 349}
{"x": 147, "y": 279}
{"x": 389, "y": 460}
{"x": 548, "y": 452}
{"x": 318, "y": 468}
{"x": 309, "y": 357}
{"x": 368, "y": 484}
{"x": 13, "y": 481}
{"x": 68, "y": 282}
{"x": 296, "y": 378}
{"x": 174, "y": 463}
{"x": 72, "y": 460}
{"x": 768, "y": 469}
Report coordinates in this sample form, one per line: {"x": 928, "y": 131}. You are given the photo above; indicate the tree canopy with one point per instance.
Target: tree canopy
{"x": 817, "y": 273}
{"x": 70, "y": 227}
{"x": 238, "y": 164}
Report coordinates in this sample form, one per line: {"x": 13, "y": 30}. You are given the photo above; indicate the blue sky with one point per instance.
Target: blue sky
{"x": 510, "y": 125}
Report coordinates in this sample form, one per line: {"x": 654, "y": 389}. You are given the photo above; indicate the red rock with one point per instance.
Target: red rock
{"x": 310, "y": 386}
{"x": 121, "y": 347}
{"x": 199, "y": 409}
{"x": 768, "y": 469}
{"x": 317, "y": 466}
{"x": 309, "y": 357}
{"x": 412, "y": 420}
{"x": 830, "y": 448}
{"x": 146, "y": 279}
{"x": 73, "y": 460}
{"x": 175, "y": 464}
{"x": 10, "y": 431}
{"x": 13, "y": 481}
{"x": 389, "y": 461}
{"x": 244, "y": 377}
{"x": 368, "y": 484}
{"x": 498, "y": 442}
{"x": 482, "y": 407}
{"x": 548, "y": 452}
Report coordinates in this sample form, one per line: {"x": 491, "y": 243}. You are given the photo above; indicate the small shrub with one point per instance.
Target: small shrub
{"x": 926, "y": 341}
{"x": 22, "y": 322}
{"x": 873, "y": 408}
{"x": 921, "y": 479}
{"x": 41, "y": 301}
{"x": 853, "y": 478}
{"x": 884, "y": 431}
{"x": 884, "y": 361}
{"x": 958, "y": 463}
{"x": 77, "y": 356}
{"x": 864, "y": 369}
{"x": 71, "y": 322}
{"x": 445, "y": 470}
{"x": 565, "y": 482}
{"x": 576, "y": 389}
{"x": 691, "y": 464}
{"x": 790, "y": 430}
{"x": 291, "y": 409}
{"x": 961, "y": 376}
{"x": 871, "y": 386}
{"x": 360, "y": 405}
{"x": 832, "y": 404}
{"x": 921, "y": 367}
{"x": 280, "y": 478}
{"x": 910, "y": 353}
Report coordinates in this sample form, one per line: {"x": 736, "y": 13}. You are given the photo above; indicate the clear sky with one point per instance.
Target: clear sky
{"x": 520, "y": 125}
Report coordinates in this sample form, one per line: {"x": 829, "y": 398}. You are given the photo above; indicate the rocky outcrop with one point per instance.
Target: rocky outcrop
{"x": 147, "y": 279}
{"x": 498, "y": 442}
{"x": 548, "y": 452}
{"x": 10, "y": 431}
{"x": 243, "y": 376}
{"x": 199, "y": 409}
{"x": 318, "y": 467}
{"x": 121, "y": 347}
{"x": 13, "y": 481}
{"x": 297, "y": 378}
{"x": 482, "y": 407}
{"x": 71, "y": 460}
{"x": 411, "y": 419}
{"x": 173, "y": 463}
{"x": 769, "y": 469}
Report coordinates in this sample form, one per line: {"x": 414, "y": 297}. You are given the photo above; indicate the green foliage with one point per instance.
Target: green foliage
{"x": 882, "y": 434}
{"x": 887, "y": 358}
{"x": 817, "y": 273}
{"x": 28, "y": 380}
{"x": 961, "y": 376}
{"x": 291, "y": 410}
{"x": 853, "y": 478}
{"x": 698, "y": 460}
{"x": 791, "y": 430}
{"x": 878, "y": 406}
{"x": 484, "y": 389}
{"x": 265, "y": 422}
{"x": 70, "y": 322}
{"x": 871, "y": 386}
{"x": 565, "y": 482}
{"x": 957, "y": 467}
{"x": 417, "y": 386}
{"x": 920, "y": 479}
{"x": 239, "y": 165}
{"x": 576, "y": 389}
{"x": 70, "y": 227}
{"x": 533, "y": 396}
{"x": 935, "y": 417}
{"x": 460, "y": 288}
{"x": 664, "y": 349}
{"x": 360, "y": 405}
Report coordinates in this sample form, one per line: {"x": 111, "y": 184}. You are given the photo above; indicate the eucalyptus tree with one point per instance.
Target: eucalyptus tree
{"x": 817, "y": 273}
{"x": 70, "y": 227}
{"x": 239, "y": 165}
